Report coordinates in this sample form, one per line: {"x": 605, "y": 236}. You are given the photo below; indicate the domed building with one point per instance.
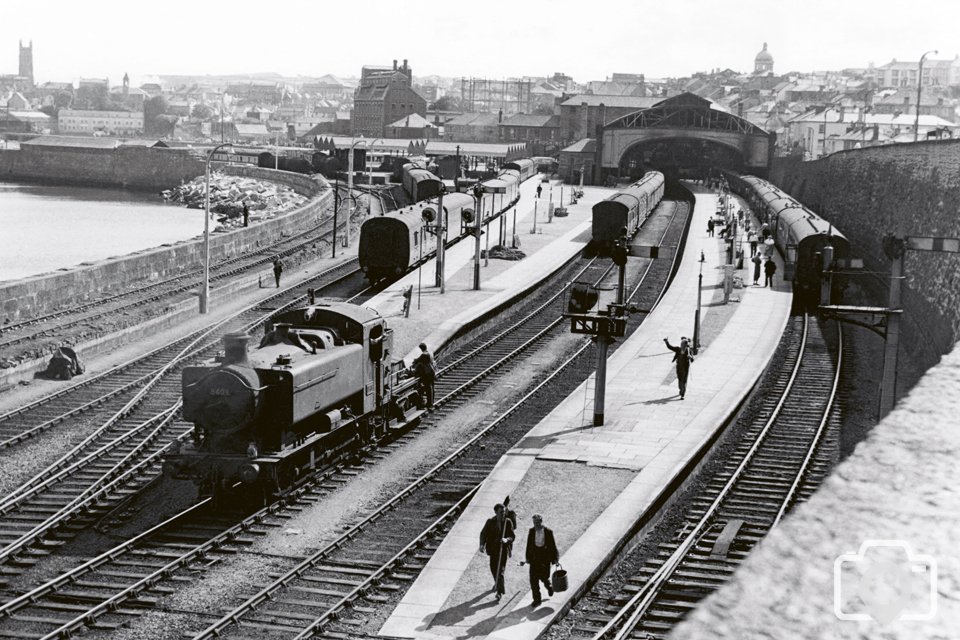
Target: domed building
{"x": 763, "y": 63}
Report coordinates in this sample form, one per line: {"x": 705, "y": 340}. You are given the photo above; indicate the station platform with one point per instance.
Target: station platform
{"x": 592, "y": 484}
{"x": 436, "y": 317}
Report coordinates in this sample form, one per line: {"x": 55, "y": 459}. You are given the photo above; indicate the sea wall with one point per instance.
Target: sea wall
{"x": 133, "y": 167}
{"x": 909, "y": 189}
{"x": 43, "y": 294}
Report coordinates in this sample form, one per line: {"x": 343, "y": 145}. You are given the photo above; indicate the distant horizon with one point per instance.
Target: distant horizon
{"x": 497, "y": 41}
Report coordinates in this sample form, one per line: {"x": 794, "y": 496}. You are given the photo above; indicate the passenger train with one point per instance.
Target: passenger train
{"x": 393, "y": 243}
{"x": 799, "y": 233}
{"x": 625, "y": 211}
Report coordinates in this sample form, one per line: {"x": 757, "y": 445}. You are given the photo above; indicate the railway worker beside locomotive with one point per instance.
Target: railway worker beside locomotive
{"x": 426, "y": 374}
{"x": 681, "y": 355}
{"x": 277, "y": 269}
{"x": 541, "y": 554}
{"x": 496, "y": 540}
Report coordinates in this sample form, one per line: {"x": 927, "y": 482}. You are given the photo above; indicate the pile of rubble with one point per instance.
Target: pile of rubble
{"x": 228, "y": 194}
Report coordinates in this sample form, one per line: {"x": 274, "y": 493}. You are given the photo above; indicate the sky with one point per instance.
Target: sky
{"x": 585, "y": 39}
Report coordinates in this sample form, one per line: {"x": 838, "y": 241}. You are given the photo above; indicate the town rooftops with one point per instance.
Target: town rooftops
{"x": 474, "y": 120}
{"x": 78, "y": 142}
{"x": 635, "y": 102}
{"x": 414, "y": 120}
{"x": 586, "y": 145}
{"x": 32, "y": 116}
{"x": 436, "y": 148}
{"x": 528, "y": 120}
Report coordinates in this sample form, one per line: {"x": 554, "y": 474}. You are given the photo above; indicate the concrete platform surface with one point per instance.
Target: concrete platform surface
{"x": 592, "y": 484}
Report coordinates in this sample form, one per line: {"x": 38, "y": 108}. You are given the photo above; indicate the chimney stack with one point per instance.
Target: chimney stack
{"x": 394, "y": 65}
{"x": 235, "y": 348}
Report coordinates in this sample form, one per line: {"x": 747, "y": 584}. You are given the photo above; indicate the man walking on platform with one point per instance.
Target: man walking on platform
{"x": 496, "y": 539}
{"x": 681, "y": 355}
{"x": 539, "y": 190}
{"x": 541, "y": 553}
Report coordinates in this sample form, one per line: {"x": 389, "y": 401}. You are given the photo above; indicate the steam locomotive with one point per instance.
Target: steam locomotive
{"x": 320, "y": 379}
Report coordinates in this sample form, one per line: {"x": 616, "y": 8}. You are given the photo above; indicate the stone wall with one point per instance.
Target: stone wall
{"x": 124, "y": 167}
{"x": 46, "y": 293}
{"x": 910, "y": 189}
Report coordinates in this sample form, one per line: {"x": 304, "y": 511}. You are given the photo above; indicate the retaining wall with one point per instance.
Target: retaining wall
{"x": 125, "y": 167}
{"x": 910, "y": 189}
{"x": 43, "y": 294}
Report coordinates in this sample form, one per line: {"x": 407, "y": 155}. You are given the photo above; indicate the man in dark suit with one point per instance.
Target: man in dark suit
{"x": 541, "y": 553}
{"x": 496, "y": 539}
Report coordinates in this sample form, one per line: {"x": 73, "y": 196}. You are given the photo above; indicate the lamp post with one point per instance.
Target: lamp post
{"x": 366, "y": 161}
{"x": 350, "y": 185}
{"x": 916, "y": 122}
{"x": 205, "y": 290}
{"x": 478, "y": 213}
{"x": 696, "y": 320}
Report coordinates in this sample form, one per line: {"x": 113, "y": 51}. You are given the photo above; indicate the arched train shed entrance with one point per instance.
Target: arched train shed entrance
{"x": 683, "y": 137}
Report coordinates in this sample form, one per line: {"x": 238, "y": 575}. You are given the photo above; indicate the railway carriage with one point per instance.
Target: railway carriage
{"x": 525, "y": 168}
{"x": 419, "y": 183}
{"x": 626, "y": 209}
{"x": 391, "y": 244}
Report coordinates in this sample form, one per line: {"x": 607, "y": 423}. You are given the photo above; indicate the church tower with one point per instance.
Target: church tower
{"x": 26, "y": 62}
{"x": 126, "y": 86}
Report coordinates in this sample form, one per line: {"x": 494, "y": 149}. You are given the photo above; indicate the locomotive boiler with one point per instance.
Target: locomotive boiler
{"x": 320, "y": 379}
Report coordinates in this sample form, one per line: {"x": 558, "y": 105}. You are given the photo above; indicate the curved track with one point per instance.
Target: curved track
{"x": 774, "y": 465}
{"x": 324, "y": 573}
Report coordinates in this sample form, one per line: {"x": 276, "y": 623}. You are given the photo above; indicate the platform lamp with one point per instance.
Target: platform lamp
{"x": 916, "y": 122}
{"x": 205, "y": 290}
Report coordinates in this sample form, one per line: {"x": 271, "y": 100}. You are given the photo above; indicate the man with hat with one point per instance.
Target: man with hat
{"x": 541, "y": 553}
{"x": 496, "y": 539}
{"x": 683, "y": 358}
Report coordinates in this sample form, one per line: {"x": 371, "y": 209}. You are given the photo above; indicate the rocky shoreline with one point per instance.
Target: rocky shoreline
{"x": 229, "y": 194}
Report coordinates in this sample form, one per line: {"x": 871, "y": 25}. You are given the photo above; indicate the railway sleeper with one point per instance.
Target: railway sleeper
{"x": 82, "y": 608}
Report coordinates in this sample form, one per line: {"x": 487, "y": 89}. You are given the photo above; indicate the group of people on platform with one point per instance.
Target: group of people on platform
{"x": 496, "y": 540}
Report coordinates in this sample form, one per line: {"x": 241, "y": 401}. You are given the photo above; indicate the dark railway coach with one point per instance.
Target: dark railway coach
{"x": 320, "y": 378}
{"x": 626, "y": 209}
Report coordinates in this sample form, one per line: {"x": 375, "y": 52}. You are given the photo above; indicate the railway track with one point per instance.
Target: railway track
{"x": 454, "y": 475}
{"x": 120, "y": 455}
{"x": 780, "y": 460}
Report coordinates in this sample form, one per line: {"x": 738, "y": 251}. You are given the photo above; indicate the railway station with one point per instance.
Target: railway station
{"x": 345, "y": 413}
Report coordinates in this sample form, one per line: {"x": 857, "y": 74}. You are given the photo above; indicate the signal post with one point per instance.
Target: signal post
{"x": 605, "y": 326}
{"x": 884, "y": 321}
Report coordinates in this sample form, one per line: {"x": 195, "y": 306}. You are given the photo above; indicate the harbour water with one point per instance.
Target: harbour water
{"x": 45, "y": 228}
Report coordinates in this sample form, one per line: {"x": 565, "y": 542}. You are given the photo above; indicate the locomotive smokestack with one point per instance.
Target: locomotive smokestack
{"x": 235, "y": 348}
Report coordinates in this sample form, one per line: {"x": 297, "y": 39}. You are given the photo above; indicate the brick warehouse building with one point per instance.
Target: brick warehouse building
{"x": 384, "y": 96}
